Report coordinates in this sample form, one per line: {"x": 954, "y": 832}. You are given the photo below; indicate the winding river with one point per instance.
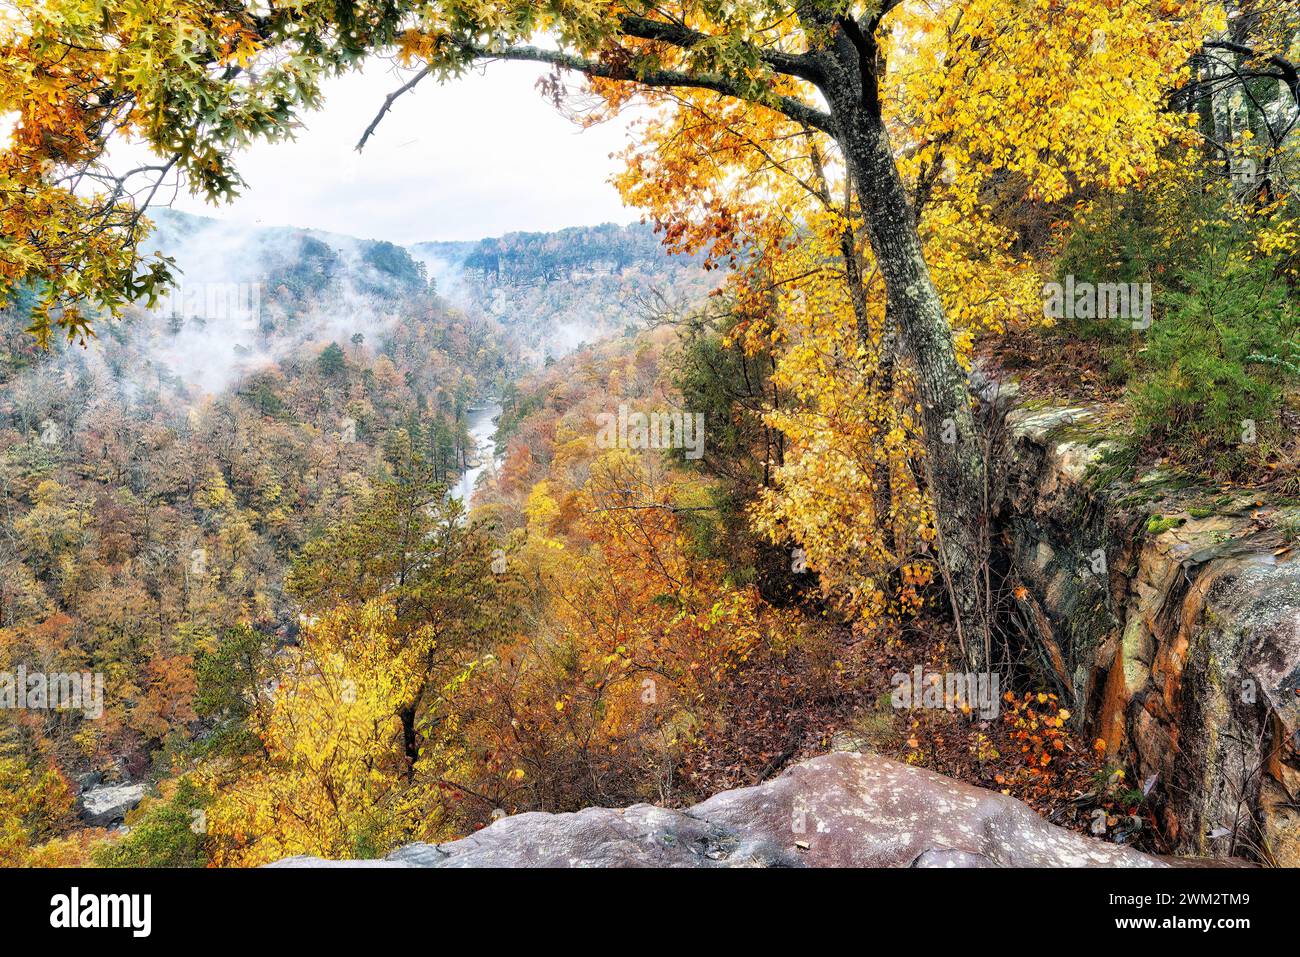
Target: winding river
{"x": 481, "y": 424}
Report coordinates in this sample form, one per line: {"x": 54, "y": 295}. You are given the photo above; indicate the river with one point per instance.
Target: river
{"x": 481, "y": 424}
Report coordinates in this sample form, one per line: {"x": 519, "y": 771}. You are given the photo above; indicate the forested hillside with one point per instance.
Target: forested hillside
{"x": 556, "y": 291}
{"x": 147, "y": 520}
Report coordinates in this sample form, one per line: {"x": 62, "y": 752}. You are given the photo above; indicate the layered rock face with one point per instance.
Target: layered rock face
{"x": 1170, "y": 615}
{"x": 837, "y": 810}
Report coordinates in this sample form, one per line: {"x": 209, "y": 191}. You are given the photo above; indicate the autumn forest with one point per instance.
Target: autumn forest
{"x": 927, "y": 426}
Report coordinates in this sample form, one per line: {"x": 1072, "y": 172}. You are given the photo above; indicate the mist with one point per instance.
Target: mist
{"x": 231, "y": 314}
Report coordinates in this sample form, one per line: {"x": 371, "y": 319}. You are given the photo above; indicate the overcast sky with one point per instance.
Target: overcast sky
{"x": 480, "y": 156}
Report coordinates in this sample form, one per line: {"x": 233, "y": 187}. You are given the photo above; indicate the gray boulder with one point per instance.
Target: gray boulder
{"x": 837, "y": 810}
{"x": 104, "y": 806}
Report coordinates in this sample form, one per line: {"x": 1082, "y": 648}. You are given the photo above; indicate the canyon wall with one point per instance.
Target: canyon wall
{"x": 1169, "y": 613}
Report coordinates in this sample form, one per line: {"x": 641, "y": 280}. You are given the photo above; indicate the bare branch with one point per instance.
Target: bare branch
{"x": 1290, "y": 74}
{"x": 388, "y": 105}
{"x": 790, "y": 106}
{"x": 798, "y": 65}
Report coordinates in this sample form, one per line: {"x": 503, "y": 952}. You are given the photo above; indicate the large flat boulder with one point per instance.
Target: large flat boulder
{"x": 837, "y": 810}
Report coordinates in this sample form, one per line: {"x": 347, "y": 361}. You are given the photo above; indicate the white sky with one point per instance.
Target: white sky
{"x": 479, "y": 156}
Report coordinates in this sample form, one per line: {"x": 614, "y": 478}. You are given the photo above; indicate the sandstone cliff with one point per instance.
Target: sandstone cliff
{"x": 1169, "y": 613}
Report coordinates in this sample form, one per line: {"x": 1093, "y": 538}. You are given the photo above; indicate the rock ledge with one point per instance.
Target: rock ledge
{"x": 837, "y": 810}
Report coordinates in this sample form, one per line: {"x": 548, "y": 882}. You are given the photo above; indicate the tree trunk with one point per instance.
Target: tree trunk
{"x": 410, "y": 743}
{"x": 956, "y": 462}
